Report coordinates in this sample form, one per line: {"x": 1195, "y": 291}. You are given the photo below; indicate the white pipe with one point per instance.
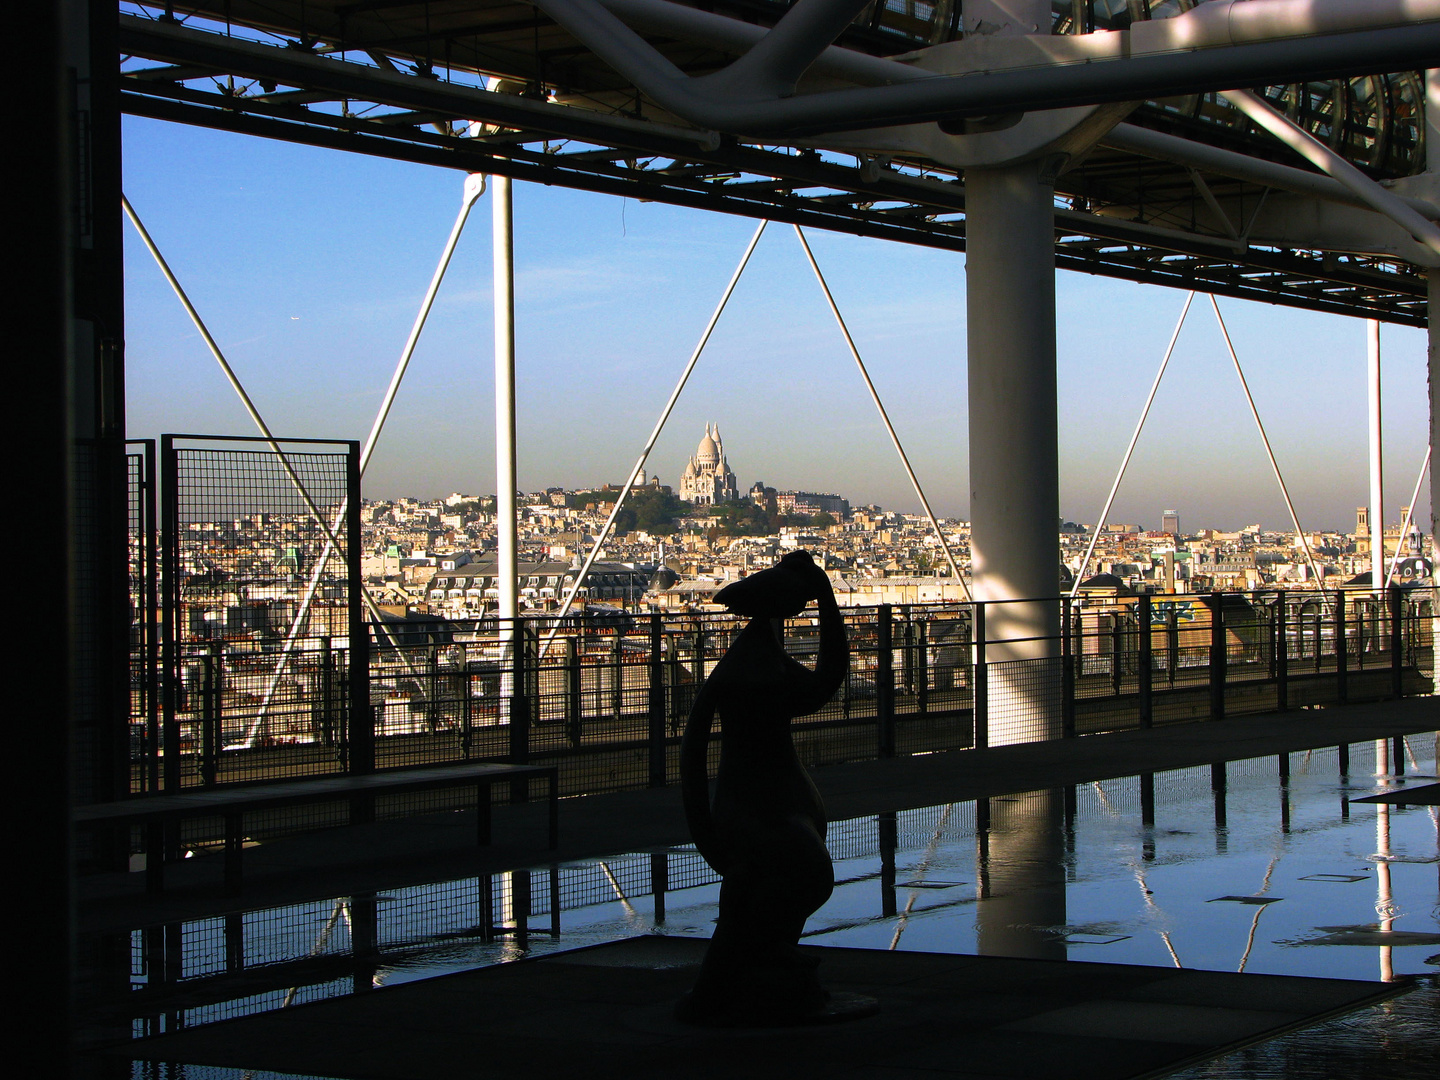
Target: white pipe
{"x": 1213, "y": 159}
{"x": 884, "y": 416}
{"x": 1409, "y": 517}
{"x": 1269, "y": 40}
{"x": 506, "y": 529}
{"x": 1284, "y": 491}
{"x": 1125, "y": 461}
{"x": 1322, "y": 157}
{"x": 1377, "y": 461}
{"x": 474, "y": 188}
{"x": 654, "y": 435}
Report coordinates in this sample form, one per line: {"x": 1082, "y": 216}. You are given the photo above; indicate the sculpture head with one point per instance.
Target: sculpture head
{"x": 780, "y": 592}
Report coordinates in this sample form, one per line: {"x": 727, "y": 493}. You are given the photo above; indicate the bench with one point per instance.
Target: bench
{"x": 231, "y": 802}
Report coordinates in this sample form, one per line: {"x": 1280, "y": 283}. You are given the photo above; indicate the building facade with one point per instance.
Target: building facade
{"x": 707, "y": 478}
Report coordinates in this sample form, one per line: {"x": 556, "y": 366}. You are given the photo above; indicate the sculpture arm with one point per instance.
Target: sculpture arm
{"x": 834, "y": 661}
{"x": 695, "y": 780}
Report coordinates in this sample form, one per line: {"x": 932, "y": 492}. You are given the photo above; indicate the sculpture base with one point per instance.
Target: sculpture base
{"x": 839, "y": 1008}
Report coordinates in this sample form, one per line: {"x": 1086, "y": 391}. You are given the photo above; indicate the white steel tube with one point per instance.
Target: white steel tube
{"x": 1327, "y": 160}
{"x": 884, "y": 416}
{"x": 506, "y": 528}
{"x": 1129, "y": 450}
{"x": 1409, "y": 517}
{"x": 1432, "y": 161}
{"x": 654, "y": 435}
{"x": 1284, "y": 491}
{"x": 474, "y": 188}
{"x": 1377, "y": 461}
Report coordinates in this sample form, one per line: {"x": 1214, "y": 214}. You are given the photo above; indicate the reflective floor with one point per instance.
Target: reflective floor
{"x": 1261, "y": 866}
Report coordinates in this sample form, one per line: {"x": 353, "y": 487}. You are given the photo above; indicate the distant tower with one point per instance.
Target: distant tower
{"x": 1170, "y": 523}
{"x": 707, "y": 478}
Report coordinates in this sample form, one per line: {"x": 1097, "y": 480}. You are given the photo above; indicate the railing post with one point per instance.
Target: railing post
{"x": 617, "y": 670}
{"x": 170, "y": 606}
{"x": 1282, "y": 655}
{"x": 362, "y": 716}
{"x": 519, "y": 711}
{"x": 1117, "y": 653}
{"x": 922, "y": 667}
{"x": 1342, "y": 650}
{"x": 907, "y": 655}
{"x": 1067, "y": 674}
{"x": 1146, "y": 665}
{"x": 656, "y": 703}
{"x": 1172, "y": 643}
{"x": 884, "y": 682}
{"x": 574, "y": 702}
{"x": 326, "y": 734}
{"x": 980, "y": 694}
{"x": 210, "y": 715}
{"x": 1217, "y": 656}
{"x": 1397, "y": 642}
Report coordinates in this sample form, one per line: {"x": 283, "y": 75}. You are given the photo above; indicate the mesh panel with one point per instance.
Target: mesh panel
{"x": 258, "y": 609}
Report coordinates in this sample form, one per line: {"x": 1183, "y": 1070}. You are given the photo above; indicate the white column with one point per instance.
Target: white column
{"x": 506, "y": 533}
{"x": 1432, "y": 163}
{"x": 1014, "y": 454}
{"x": 1377, "y": 463}
{"x": 1014, "y": 450}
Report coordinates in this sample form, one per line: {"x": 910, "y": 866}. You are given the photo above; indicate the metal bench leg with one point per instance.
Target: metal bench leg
{"x": 554, "y": 810}
{"x": 482, "y": 813}
{"x": 234, "y": 848}
{"x": 155, "y": 857}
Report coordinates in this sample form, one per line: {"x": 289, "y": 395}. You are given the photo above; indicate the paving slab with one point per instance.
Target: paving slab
{"x": 606, "y": 1011}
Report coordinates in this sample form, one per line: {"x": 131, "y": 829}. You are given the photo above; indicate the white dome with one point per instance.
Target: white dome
{"x": 708, "y": 453}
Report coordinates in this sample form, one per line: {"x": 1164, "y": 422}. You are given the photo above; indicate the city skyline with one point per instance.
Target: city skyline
{"x": 311, "y": 286}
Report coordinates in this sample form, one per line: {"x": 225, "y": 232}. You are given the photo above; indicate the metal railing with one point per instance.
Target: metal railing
{"x": 608, "y": 700}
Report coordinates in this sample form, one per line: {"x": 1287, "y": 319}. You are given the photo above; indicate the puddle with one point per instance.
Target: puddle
{"x": 1263, "y": 874}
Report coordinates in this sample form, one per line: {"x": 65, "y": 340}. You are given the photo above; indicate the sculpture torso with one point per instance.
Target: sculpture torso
{"x": 765, "y": 829}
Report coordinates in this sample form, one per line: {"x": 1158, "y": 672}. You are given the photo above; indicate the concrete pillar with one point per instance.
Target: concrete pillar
{"x": 1014, "y": 456}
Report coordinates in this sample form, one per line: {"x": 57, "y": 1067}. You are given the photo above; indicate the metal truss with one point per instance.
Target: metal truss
{"x": 305, "y": 90}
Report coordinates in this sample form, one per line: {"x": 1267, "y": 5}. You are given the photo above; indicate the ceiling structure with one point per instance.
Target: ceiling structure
{"x": 1186, "y": 192}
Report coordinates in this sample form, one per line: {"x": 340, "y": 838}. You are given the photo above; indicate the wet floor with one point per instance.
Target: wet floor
{"x": 1262, "y": 866}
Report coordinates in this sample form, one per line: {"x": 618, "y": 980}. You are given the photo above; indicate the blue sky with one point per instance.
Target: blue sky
{"x": 309, "y": 265}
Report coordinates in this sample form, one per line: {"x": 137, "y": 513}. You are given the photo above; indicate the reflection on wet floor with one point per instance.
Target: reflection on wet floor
{"x": 1262, "y": 865}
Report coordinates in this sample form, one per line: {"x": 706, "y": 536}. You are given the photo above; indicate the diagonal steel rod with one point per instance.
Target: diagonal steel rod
{"x": 259, "y": 422}
{"x": 1299, "y": 533}
{"x": 229, "y": 373}
{"x": 1409, "y": 515}
{"x": 654, "y": 435}
{"x": 880, "y": 407}
{"x": 474, "y": 188}
{"x": 1129, "y": 450}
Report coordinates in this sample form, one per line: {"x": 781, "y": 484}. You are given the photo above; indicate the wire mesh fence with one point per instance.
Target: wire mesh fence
{"x": 264, "y": 640}
{"x": 273, "y": 666}
{"x": 606, "y": 697}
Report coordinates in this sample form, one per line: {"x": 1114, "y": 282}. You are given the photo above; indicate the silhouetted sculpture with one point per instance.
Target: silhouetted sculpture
{"x": 764, "y": 832}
